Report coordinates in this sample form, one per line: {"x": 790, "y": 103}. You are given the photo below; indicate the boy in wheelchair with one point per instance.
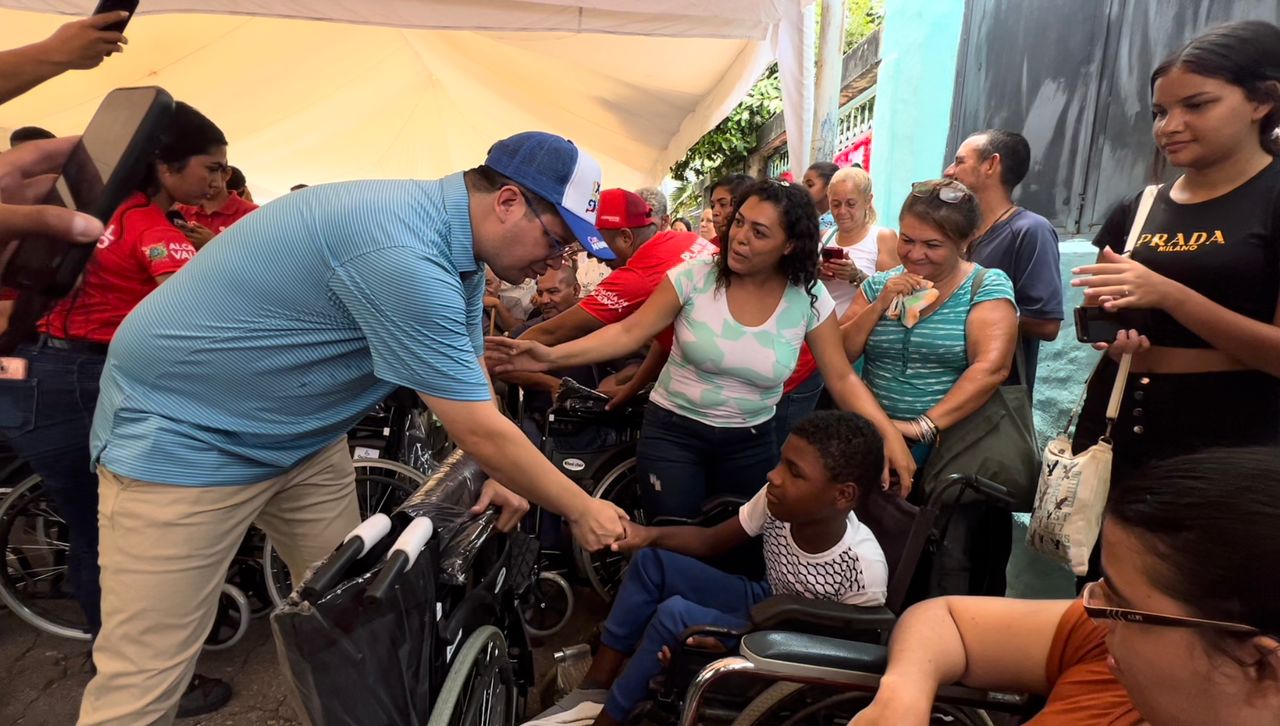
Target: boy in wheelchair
{"x": 814, "y": 546}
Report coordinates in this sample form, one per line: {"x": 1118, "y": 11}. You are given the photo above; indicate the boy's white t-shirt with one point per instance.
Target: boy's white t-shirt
{"x": 853, "y": 572}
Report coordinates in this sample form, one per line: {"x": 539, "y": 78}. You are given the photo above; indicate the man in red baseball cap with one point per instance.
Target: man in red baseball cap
{"x": 643, "y": 254}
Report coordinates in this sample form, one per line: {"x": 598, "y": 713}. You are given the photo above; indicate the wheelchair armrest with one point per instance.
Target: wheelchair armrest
{"x": 843, "y": 664}
{"x": 821, "y": 617}
{"x": 781, "y": 651}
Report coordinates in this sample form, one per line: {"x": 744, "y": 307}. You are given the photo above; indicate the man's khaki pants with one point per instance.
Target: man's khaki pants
{"x": 165, "y": 550}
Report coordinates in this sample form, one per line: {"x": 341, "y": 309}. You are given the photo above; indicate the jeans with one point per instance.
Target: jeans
{"x": 662, "y": 595}
{"x": 796, "y": 405}
{"x": 683, "y": 463}
{"x": 46, "y": 419}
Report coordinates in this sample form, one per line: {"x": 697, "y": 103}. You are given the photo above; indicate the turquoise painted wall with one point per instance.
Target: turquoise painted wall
{"x": 918, "y": 55}
{"x": 919, "y": 52}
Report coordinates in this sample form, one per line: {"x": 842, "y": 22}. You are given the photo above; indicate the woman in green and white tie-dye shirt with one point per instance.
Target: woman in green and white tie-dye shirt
{"x": 739, "y": 319}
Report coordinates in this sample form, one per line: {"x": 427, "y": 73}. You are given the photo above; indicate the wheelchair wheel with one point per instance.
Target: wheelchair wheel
{"x": 547, "y": 606}
{"x": 232, "y": 620}
{"x": 381, "y": 486}
{"x": 35, "y": 582}
{"x": 248, "y": 573}
{"x": 480, "y": 689}
{"x": 604, "y": 569}
{"x": 794, "y": 704}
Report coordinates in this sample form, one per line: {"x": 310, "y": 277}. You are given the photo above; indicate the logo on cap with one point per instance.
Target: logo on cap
{"x": 594, "y": 203}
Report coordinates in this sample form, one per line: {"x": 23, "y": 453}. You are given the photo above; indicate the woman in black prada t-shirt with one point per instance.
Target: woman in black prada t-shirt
{"x": 1205, "y": 273}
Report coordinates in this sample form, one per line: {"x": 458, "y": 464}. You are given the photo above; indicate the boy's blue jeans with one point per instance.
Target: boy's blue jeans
{"x": 663, "y": 594}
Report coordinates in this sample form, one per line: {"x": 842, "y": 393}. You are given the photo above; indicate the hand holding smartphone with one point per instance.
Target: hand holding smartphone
{"x": 831, "y": 254}
{"x": 102, "y": 169}
{"x": 1098, "y": 325}
{"x": 111, "y": 6}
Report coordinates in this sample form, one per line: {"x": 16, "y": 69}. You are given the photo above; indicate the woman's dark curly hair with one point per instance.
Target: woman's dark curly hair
{"x": 800, "y": 223}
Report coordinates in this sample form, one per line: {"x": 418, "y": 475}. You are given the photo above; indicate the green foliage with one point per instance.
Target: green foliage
{"x": 861, "y": 20}
{"x": 725, "y": 148}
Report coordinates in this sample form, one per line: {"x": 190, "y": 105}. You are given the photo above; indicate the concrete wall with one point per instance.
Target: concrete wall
{"x": 918, "y": 56}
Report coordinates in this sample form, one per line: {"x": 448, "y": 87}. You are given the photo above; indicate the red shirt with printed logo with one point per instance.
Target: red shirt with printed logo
{"x": 626, "y": 288}
{"x": 222, "y": 217}
{"x": 140, "y": 244}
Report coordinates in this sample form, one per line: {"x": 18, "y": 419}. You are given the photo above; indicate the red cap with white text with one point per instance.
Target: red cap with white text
{"x": 621, "y": 209}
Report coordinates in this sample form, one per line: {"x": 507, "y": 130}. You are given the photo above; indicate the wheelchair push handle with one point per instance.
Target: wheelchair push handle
{"x": 985, "y": 488}
{"x": 357, "y": 543}
{"x": 570, "y": 389}
{"x": 404, "y": 553}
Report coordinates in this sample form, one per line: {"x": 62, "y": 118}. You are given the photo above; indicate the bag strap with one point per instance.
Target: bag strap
{"x": 1019, "y": 360}
{"x": 1139, "y": 219}
{"x": 828, "y": 237}
{"x": 1122, "y": 374}
{"x": 1117, "y": 394}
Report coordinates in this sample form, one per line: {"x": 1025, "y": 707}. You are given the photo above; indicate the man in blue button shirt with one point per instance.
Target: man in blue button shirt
{"x": 227, "y": 393}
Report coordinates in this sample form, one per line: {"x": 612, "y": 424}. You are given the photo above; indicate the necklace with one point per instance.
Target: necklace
{"x": 1003, "y": 215}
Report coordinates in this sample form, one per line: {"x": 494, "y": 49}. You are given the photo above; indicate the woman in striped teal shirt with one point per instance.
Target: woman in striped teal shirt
{"x": 931, "y": 360}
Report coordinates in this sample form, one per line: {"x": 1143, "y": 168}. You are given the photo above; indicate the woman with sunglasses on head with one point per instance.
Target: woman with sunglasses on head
{"x": 740, "y": 319}
{"x": 937, "y": 337}
{"x": 1184, "y": 630}
{"x": 938, "y": 331}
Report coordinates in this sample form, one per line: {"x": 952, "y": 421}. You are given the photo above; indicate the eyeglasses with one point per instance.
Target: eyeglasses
{"x": 948, "y": 190}
{"x": 562, "y": 248}
{"x": 1094, "y": 598}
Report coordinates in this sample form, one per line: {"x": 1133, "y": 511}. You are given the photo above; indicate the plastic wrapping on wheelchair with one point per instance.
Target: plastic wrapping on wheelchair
{"x": 447, "y": 497}
{"x": 353, "y": 662}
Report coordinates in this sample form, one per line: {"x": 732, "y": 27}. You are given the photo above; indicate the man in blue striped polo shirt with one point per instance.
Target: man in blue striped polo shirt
{"x": 227, "y": 393}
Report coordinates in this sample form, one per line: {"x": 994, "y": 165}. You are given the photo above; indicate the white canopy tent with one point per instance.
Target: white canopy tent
{"x": 321, "y": 90}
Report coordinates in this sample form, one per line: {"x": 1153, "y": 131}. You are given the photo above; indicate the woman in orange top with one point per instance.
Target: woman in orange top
{"x": 1183, "y": 629}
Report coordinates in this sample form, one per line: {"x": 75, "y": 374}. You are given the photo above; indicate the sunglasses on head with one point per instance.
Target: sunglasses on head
{"x": 947, "y": 190}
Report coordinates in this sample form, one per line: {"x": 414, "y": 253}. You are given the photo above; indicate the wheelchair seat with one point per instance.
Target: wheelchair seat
{"x": 578, "y": 401}
{"x": 780, "y": 650}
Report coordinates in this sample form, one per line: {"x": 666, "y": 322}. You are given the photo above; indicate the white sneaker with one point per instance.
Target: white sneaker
{"x": 578, "y": 708}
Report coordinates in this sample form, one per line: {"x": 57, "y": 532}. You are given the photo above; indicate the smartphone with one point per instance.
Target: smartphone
{"x": 176, "y": 219}
{"x": 831, "y": 254}
{"x": 102, "y": 170}
{"x": 111, "y": 6}
{"x": 1097, "y": 325}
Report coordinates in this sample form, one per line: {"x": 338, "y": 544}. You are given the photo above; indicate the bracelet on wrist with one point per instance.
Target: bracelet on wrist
{"x": 927, "y": 428}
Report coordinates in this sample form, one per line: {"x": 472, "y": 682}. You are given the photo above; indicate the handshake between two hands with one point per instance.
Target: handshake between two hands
{"x": 601, "y": 524}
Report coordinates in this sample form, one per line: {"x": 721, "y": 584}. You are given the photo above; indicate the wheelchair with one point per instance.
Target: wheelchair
{"x": 595, "y": 448}
{"x": 433, "y": 620}
{"x": 805, "y": 661}
{"x": 35, "y": 584}
{"x": 394, "y": 448}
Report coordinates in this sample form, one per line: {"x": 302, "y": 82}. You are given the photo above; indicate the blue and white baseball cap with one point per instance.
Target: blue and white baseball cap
{"x": 559, "y": 172}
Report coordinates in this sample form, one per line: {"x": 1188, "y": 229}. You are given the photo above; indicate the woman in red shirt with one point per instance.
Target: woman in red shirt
{"x": 1183, "y": 630}
{"x": 46, "y": 418}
